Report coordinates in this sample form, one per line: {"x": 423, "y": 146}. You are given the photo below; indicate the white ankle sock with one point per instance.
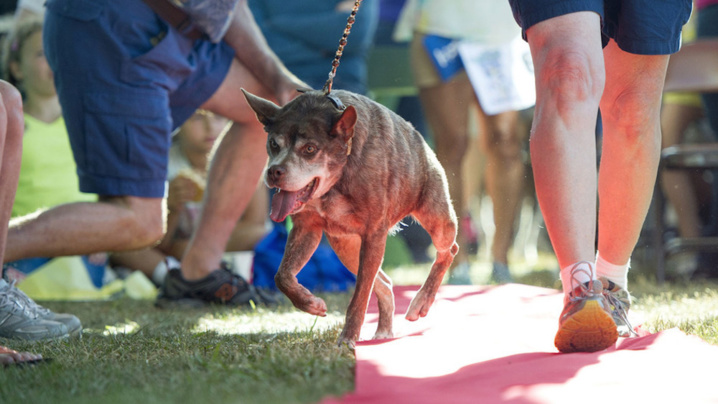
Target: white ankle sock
{"x": 160, "y": 272}
{"x": 584, "y": 276}
{"x": 618, "y": 274}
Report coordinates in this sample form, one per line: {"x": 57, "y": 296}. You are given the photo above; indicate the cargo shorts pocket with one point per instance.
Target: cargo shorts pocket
{"x": 127, "y": 135}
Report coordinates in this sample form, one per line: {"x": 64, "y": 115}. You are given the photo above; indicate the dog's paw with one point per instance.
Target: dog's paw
{"x": 312, "y": 305}
{"x": 383, "y": 334}
{"x": 305, "y": 301}
{"x": 316, "y": 306}
{"x": 344, "y": 340}
{"x": 419, "y": 306}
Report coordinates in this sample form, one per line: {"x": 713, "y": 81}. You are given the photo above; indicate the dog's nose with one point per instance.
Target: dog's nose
{"x": 276, "y": 173}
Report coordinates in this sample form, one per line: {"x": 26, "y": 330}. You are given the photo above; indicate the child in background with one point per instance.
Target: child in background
{"x": 187, "y": 173}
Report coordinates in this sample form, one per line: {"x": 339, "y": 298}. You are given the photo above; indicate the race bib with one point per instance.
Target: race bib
{"x": 502, "y": 75}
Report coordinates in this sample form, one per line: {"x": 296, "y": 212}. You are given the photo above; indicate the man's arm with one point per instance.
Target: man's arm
{"x": 252, "y": 50}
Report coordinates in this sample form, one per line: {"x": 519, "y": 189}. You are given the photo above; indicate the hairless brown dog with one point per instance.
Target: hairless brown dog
{"x": 353, "y": 173}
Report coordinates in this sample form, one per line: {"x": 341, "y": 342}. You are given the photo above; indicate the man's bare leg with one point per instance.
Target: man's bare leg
{"x": 569, "y": 71}
{"x": 115, "y": 224}
{"x": 21, "y": 324}
{"x": 11, "y": 130}
{"x": 630, "y": 108}
{"x": 570, "y": 79}
{"x": 237, "y": 165}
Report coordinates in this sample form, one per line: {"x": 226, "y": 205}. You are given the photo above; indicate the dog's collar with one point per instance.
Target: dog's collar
{"x": 336, "y": 101}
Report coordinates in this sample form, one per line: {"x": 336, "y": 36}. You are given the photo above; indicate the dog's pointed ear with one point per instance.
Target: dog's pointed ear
{"x": 266, "y": 110}
{"x": 344, "y": 126}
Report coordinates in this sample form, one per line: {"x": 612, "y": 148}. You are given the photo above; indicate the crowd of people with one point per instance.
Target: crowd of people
{"x": 125, "y": 138}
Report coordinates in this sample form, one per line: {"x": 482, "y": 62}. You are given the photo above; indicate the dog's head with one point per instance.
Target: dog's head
{"x": 308, "y": 142}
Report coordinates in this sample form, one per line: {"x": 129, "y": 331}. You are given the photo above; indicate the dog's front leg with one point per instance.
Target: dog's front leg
{"x": 370, "y": 259}
{"x": 301, "y": 244}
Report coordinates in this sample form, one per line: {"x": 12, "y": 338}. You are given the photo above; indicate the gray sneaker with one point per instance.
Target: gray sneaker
{"x": 500, "y": 273}
{"x": 19, "y": 318}
{"x": 619, "y": 302}
{"x": 73, "y": 324}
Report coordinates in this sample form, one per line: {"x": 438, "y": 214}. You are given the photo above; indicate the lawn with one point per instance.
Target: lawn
{"x": 132, "y": 352}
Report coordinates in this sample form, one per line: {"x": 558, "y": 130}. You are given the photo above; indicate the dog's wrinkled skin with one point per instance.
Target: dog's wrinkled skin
{"x": 353, "y": 174}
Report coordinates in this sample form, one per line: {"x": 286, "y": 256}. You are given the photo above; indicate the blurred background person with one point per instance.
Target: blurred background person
{"x": 305, "y": 35}
{"x": 440, "y": 28}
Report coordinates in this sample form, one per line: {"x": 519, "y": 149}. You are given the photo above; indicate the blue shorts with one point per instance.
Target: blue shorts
{"x": 643, "y": 27}
{"x": 125, "y": 81}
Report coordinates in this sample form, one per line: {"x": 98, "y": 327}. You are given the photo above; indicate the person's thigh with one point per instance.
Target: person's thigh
{"x": 229, "y": 101}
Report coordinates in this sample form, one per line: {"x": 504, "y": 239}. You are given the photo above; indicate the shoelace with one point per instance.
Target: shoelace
{"x": 620, "y": 311}
{"x": 576, "y": 284}
{"x": 20, "y": 299}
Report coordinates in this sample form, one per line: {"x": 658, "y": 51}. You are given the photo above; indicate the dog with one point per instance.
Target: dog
{"x": 353, "y": 173}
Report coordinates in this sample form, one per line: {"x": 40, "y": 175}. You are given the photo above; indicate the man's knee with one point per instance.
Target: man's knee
{"x": 144, "y": 222}
{"x": 631, "y": 112}
{"x": 503, "y": 141}
{"x": 571, "y": 78}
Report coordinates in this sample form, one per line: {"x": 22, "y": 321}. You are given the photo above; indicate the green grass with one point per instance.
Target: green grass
{"x": 132, "y": 352}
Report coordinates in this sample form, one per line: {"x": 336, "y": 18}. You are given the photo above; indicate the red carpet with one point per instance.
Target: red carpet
{"x": 495, "y": 345}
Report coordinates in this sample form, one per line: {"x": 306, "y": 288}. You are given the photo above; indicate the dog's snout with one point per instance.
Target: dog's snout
{"x": 276, "y": 173}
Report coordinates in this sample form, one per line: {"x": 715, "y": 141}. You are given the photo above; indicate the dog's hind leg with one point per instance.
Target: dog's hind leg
{"x": 385, "y": 300}
{"x": 347, "y": 249}
{"x": 441, "y": 225}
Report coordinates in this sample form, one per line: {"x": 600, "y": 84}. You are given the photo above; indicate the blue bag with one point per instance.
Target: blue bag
{"x": 323, "y": 273}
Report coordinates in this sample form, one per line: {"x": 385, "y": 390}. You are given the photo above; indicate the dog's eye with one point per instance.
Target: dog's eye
{"x": 310, "y": 149}
{"x": 273, "y": 144}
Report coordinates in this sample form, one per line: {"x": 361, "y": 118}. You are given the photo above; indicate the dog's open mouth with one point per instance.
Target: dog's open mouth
{"x": 284, "y": 203}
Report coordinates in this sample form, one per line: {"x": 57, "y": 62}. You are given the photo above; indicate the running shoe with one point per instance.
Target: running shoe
{"x": 500, "y": 273}
{"x": 19, "y": 318}
{"x": 460, "y": 274}
{"x": 586, "y": 323}
{"x": 219, "y": 287}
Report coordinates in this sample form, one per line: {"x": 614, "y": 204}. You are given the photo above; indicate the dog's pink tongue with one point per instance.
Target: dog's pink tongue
{"x": 282, "y": 205}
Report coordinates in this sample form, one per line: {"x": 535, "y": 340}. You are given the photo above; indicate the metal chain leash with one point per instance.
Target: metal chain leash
{"x": 342, "y": 42}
